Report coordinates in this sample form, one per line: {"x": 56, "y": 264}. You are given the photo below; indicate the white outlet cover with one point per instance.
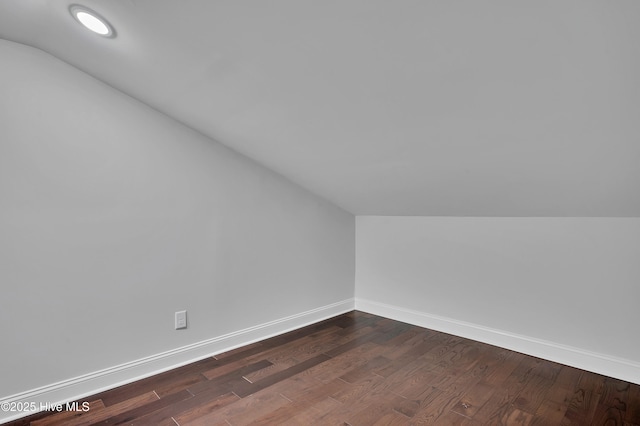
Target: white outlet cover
{"x": 181, "y": 320}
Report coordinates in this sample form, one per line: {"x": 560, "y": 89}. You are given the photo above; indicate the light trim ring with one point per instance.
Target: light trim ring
{"x": 92, "y": 21}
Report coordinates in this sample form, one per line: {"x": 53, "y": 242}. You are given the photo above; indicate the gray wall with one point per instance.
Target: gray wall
{"x": 566, "y": 283}
{"x": 113, "y": 216}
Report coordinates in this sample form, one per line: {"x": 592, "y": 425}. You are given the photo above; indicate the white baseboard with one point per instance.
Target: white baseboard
{"x": 82, "y": 386}
{"x": 607, "y": 365}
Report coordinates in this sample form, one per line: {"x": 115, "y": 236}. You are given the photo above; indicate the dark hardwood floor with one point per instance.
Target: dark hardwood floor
{"x": 360, "y": 369}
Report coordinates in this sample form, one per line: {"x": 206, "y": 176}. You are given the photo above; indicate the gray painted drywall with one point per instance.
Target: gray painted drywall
{"x": 569, "y": 281}
{"x": 113, "y": 217}
{"x": 405, "y": 107}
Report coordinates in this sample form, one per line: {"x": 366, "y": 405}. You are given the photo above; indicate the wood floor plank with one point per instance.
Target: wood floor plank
{"x": 313, "y": 396}
{"x": 149, "y": 384}
{"x": 136, "y": 411}
{"x": 514, "y": 417}
{"x": 401, "y": 361}
{"x": 271, "y": 352}
{"x": 297, "y": 351}
{"x": 311, "y": 415}
{"x": 612, "y": 406}
{"x": 392, "y": 419}
{"x": 550, "y": 413}
{"x": 361, "y": 369}
{"x": 344, "y": 362}
{"x": 584, "y": 401}
{"x": 473, "y": 399}
{"x": 247, "y": 410}
{"x": 275, "y": 367}
{"x": 633, "y": 406}
{"x": 201, "y": 414}
{"x": 508, "y": 364}
{"x": 179, "y": 384}
{"x": 296, "y": 388}
{"x": 369, "y": 367}
{"x": 507, "y": 384}
{"x": 230, "y": 379}
{"x": 452, "y": 418}
{"x": 163, "y": 413}
{"x": 532, "y": 394}
{"x": 554, "y": 407}
{"x": 374, "y": 411}
{"x": 434, "y": 404}
{"x": 94, "y": 416}
{"x": 416, "y": 382}
{"x": 246, "y": 389}
{"x": 353, "y": 391}
{"x": 71, "y": 417}
{"x": 242, "y": 351}
{"x": 408, "y": 335}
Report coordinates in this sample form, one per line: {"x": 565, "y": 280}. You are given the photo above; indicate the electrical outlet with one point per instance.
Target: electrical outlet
{"x": 181, "y": 320}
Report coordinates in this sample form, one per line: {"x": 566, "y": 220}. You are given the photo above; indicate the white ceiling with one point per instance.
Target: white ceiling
{"x": 394, "y": 107}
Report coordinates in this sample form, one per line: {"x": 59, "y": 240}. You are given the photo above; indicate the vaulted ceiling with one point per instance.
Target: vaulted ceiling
{"x": 404, "y": 107}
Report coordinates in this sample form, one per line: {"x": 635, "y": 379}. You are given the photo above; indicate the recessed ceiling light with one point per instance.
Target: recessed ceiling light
{"x": 91, "y": 20}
